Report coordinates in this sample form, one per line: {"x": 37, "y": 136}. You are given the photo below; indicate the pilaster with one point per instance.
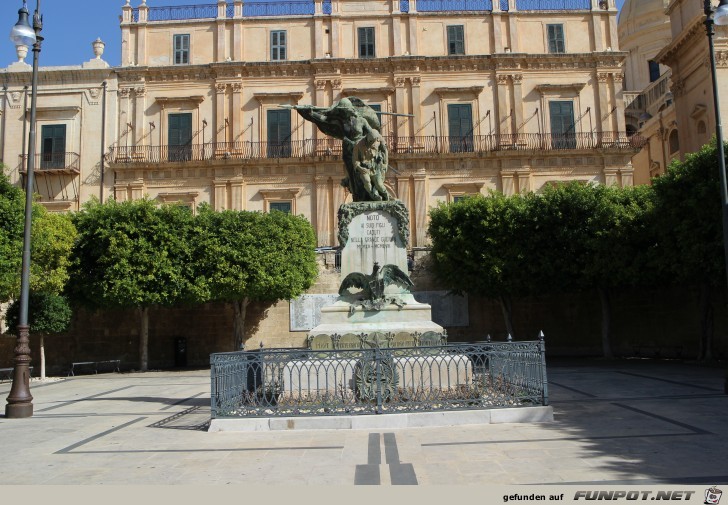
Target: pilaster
{"x": 221, "y": 116}
{"x": 322, "y": 211}
{"x": 419, "y": 226}
{"x": 220, "y": 191}
{"x": 237, "y": 194}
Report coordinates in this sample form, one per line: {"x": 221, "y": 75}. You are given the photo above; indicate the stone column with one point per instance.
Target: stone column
{"x": 237, "y": 194}
{"x": 618, "y": 100}
{"x": 141, "y": 36}
{"x": 125, "y": 116}
{"x": 335, "y": 36}
{"x": 503, "y": 127}
{"x": 507, "y": 182}
{"x": 413, "y": 25}
{"x": 140, "y": 126}
{"x": 400, "y": 104}
{"x": 419, "y": 221}
{"x": 137, "y": 189}
{"x": 322, "y": 211}
{"x": 416, "y": 110}
{"x": 627, "y": 175}
{"x": 596, "y": 26}
{"x": 498, "y": 20}
{"x": 318, "y": 38}
{"x": 320, "y": 101}
{"x": 611, "y": 177}
{"x": 524, "y": 180}
{"x": 220, "y": 26}
{"x": 336, "y": 90}
{"x": 397, "y": 30}
{"x": 604, "y": 105}
{"x": 238, "y": 40}
{"x": 517, "y": 93}
{"x": 121, "y": 192}
{"x": 221, "y": 115}
{"x": 220, "y": 190}
{"x": 237, "y": 119}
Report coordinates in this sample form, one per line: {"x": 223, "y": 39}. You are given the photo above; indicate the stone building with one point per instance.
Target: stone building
{"x": 673, "y": 109}
{"x": 69, "y": 132}
{"x": 507, "y": 95}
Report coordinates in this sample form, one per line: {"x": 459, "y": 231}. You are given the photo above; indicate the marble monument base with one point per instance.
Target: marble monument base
{"x": 412, "y": 317}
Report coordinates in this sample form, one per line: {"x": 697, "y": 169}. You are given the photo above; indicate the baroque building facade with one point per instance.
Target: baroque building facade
{"x": 675, "y": 113}
{"x": 505, "y": 95}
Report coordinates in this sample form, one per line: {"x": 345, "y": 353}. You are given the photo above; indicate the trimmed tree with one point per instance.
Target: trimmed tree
{"x": 478, "y": 247}
{"x": 592, "y": 237}
{"x": 48, "y": 313}
{"x": 12, "y": 211}
{"x": 133, "y": 255}
{"x": 244, "y": 257}
{"x": 689, "y": 223}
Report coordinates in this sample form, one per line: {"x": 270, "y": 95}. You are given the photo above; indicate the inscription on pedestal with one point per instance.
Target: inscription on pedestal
{"x": 373, "y": 237}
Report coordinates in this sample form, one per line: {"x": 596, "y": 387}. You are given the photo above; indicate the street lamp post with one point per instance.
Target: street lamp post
{"x": 719, "y": 16}
{"x": 20, "y": 401}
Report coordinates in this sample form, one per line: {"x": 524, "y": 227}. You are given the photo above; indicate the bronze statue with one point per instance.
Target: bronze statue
{"x": 371, "y": 296}
{"x": 365, "y": 154}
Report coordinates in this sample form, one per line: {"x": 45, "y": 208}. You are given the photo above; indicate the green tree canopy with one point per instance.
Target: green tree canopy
{"x": 47, "y": 313}
{"x": 12, "y": 211}
{"x": 133, "y": 254}
{"x": 248, "y": 256}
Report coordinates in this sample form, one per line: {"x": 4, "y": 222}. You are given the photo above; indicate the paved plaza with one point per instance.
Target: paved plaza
{"x": 616, "y": 422}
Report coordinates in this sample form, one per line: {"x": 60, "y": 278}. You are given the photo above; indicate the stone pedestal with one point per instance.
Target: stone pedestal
{"x": 372, "y": 232}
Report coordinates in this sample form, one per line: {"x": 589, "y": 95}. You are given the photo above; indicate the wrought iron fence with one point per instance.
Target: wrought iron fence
{"x": 301, "y": 382}
{"x": 553, "y": 5}
{"x": 454, "y": 5}
{"x": 430, "y": 144}
{"x": 53, "y": 161}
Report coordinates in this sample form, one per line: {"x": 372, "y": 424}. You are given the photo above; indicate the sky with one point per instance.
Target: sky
{"x": 70, "y": 26}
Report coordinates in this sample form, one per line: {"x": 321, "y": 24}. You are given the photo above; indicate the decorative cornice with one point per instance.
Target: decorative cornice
{"x": 384, "y": 90}
{"x": 164, "y": 100}
{"x": 670, "y": 51}
{"x": 475, "y": 90}
{"x": 278, "y": 97}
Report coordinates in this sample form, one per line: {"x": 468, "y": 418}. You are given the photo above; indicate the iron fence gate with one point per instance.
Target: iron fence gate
{"x": 303, "y": 382}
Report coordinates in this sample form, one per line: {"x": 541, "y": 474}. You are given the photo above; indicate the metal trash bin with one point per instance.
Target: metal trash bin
{"x": 180, "y": 352}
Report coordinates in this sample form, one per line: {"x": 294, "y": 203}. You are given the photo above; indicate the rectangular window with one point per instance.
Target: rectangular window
{"x": 182, "y": 49}
{"x": 378, "y": 109}
{"x": 279, "y": 133}
{"x": 460, "y": 123}
{"x": 563, "y": 133}
{"x": 654, "y": 70}
{"x": 281, "y": 206}
{"x": 278, "y": 45}
{"x": 556, "y": 38}
{"x": 455, "y": 40}
{"x": 179, "y": 135}
{"x": 366, "y": 42}
{"x": 53, "y": 147}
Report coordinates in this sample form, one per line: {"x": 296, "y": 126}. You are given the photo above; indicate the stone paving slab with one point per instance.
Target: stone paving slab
{"x": 614, "y": 422}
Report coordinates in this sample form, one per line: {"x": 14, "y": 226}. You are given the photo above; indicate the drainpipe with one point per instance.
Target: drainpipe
{"x": 103, "y": 144}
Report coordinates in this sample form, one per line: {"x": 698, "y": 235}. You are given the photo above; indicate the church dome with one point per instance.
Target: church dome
{"x": 635, "y": 9}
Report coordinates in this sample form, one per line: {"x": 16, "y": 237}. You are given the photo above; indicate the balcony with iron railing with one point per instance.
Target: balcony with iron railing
{"x": 398, "y": 147}
{"x": 309, "y": 8}
{"x": 53, "y": 163}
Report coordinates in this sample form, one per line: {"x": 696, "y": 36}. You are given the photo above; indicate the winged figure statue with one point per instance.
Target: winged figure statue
{"x": 371, "y": 296}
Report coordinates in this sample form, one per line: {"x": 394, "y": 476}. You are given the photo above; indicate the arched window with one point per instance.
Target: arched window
{"x": 674, "y": 142}
{"x": 701, "y": 127}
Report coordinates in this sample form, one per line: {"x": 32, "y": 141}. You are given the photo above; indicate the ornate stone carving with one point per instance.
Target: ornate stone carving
{"x": 140, "y": 91}
{"x": 124, "y": 92}
{"x": 603, "y": 76}
{"x": 237, "y": 87}
{"x": 395, "y": 208}
{"x": 321, "y": 84}
{"x": 400, "y": 82}
{"x": 415, "y": 81}
{"x": 502, "y": 79}
{"x": 517, "y": 79}
{"x": 220, "y": 87}
{"x": 94, "y": 93}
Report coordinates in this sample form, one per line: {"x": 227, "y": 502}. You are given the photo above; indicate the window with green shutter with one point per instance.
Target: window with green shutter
{"x": 53, "y": 146}
{"x": 278, "y": 45}
{"x": 562, "y": 124}
{"x": 455, "y": 40}
{"x": 179, "y": 137}
{"x": 182, "y": 49}
{"x": 366, "y": 42}
{"x": 460, "y": 127}
{"x": 279, "y": 133}
{"x": 556, "y": 38}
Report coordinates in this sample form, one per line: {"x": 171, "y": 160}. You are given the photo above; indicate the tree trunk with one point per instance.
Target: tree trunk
{"x": 42, "y": 357}
{"x": 606, "y": 322}
{"x": 706, "y": 323}
{"x": 144, "y": 339}
{"x": 507, "y": 308}
{"x": 240, "y": 307}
